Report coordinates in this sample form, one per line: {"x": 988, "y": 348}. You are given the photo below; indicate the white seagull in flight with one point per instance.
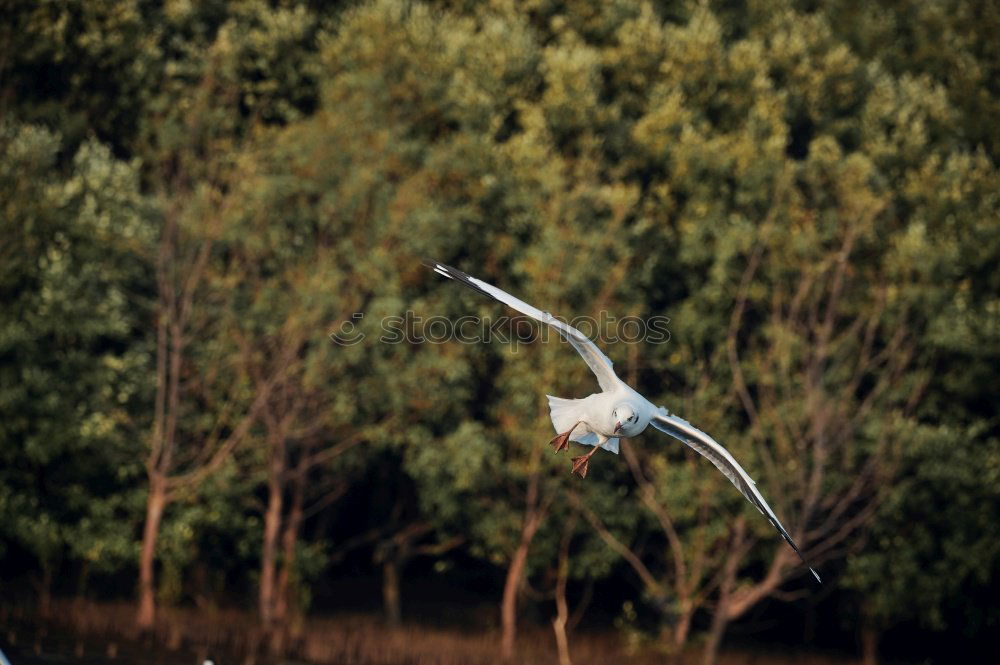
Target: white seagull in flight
{"x": 618, "y": 411}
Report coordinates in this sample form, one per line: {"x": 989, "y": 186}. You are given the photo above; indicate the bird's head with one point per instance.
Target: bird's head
{"x": 625, "y": 417}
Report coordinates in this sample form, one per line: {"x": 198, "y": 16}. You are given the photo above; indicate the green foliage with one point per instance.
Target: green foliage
{"x": 73, "y": 358}
{"x": 78, "y": 68}
{"x": 912, "y": 568}
{"x": 808, "y": 191}
{"x": 218, "y": 528}
{"x": 950, "y": 42}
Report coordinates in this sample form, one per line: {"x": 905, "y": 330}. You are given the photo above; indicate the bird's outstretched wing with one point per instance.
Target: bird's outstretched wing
{"x": 707, "y": 446}
{"x": 599, "y": 363}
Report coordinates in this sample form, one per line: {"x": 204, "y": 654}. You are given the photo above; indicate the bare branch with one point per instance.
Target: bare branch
{"x": 638, "y": 566}
{"x": 648, "y": 495}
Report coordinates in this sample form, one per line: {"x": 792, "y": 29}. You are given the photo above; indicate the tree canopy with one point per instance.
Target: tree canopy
{"x": 219, "y": 359}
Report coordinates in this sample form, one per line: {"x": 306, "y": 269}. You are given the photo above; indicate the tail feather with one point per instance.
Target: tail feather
{"x": 566, "y": 413}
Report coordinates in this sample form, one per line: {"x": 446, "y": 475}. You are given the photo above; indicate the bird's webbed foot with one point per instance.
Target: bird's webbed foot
{"x": 561, "y": 441}
{"x": 582, "y": 463}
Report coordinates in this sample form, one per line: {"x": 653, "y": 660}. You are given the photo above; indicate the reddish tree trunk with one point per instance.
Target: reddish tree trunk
{"x": 508, "y": 605}
{"x": 869, "y": 646}
{"x": 289, "y": 541}
{"x": 715, "y": 633}
{"x": 562, "y": 607}
{"x": 515, "y": 573}
{"x": 44, "y": 586}
{"x": 147, "y": 559}
{"x": 390, "y": 592}
{"x": 682, "y": 629}
{"x": 269, "y": 549}
{"x": 724, "y": 610}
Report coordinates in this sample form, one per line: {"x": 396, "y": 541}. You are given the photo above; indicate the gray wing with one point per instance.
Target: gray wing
{"x": 599, "y": 363}
{"x": 708, "y": 447}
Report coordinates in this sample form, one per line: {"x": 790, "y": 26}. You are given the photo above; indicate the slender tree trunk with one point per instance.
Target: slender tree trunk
{"x": 562, "y": 607}
{"x": 581, "y": 607}
{"x": 724, "y": 612}
{"x": 45, "y": 589}
{"x": 289, "y": 542}
{"x": 390, "y": 592}
{"x": 682, "y": 630}
{"x": 269, "y": 550}
{"x": 719, "y": 622}
{"x": 508, "y": 605}
{"x": 155, "y": 504}
{"x": 81, "y": 584}
{"x": 515, "y": 573}
{"x": 559, "y": 627}
{"x": 869, "y": 645}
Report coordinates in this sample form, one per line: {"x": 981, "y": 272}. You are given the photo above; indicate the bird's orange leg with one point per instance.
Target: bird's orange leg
{"x": 582, "y": 463}
{"x": 561, "y": 441}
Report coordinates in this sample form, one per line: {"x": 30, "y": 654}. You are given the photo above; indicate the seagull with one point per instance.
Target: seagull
{"x": 618, "y": 411}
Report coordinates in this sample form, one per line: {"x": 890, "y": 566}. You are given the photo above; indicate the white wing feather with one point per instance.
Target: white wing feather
{"x": 708, "y": 447}
{"x": 599, "y": 363}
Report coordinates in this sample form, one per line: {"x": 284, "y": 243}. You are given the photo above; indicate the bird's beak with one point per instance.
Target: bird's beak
{"x": 618, "y": 426}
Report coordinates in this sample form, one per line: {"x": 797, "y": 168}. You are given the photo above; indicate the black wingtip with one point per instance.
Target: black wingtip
{"x": 446, "y": 270}
{"x": 430, "y": 263}
{"x": 804, "y": 562}
{"x": 788, "y": 539}
{"x": 436, "y": 266}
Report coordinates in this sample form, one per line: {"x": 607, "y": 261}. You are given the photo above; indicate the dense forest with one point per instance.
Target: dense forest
{"x": 201, "y": 199}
